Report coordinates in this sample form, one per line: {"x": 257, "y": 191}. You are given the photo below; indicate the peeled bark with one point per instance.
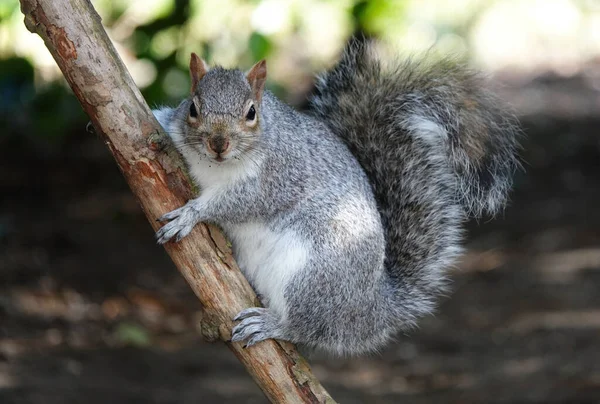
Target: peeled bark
{"x": 73, "y": 32}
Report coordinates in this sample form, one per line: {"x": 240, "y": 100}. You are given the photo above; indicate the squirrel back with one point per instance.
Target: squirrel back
{"x": 436, "y": 147}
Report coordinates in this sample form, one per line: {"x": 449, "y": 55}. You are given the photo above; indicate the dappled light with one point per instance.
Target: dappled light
{"x": 90, "y": 307}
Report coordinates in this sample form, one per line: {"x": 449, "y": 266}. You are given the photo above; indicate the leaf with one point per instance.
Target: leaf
{"x": 132, "y": 334}
{"x": 260, "y": 46}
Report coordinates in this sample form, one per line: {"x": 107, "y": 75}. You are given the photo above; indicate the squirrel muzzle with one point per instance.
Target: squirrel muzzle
{"x": 218, "y": 145}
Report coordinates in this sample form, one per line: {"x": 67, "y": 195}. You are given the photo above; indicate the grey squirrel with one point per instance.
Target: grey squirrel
{"x": 344, "y": 219}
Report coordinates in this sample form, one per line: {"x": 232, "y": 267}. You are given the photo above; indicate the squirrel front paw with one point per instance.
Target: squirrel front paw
{"x": 182, "y": 221}
{"x": 256, "y": 324}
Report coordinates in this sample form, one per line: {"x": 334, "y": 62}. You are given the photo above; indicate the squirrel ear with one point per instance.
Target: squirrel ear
{"x": 257, "y": 77}
{"x": 198, "y": 69}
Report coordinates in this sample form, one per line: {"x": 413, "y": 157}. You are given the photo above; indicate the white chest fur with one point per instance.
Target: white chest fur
{"x": 268, "y": 259}
{"x": 216, "y": 177}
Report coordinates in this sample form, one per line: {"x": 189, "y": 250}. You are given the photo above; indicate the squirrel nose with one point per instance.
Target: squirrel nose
{"x": 218, "y": 144}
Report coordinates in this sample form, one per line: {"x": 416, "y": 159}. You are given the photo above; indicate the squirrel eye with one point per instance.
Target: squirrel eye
{"x": 251, "y": 114}
{"x": 193, "y": 111}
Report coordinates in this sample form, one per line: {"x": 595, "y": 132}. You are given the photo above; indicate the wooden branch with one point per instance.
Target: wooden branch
{"x": 73, "y": 33}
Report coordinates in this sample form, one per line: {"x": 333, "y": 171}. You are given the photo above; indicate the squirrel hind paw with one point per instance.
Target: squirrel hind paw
{"x": 256, "y": 324}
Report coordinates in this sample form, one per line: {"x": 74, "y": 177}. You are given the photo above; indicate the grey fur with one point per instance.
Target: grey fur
{"x": 369, "y": 193}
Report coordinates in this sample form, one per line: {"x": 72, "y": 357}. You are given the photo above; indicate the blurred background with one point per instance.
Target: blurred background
{"x": 91, "y": 310}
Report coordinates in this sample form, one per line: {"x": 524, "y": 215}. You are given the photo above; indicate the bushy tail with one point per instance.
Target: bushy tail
{"x": 442, "y": 103}
{"x": 435, "y": 146}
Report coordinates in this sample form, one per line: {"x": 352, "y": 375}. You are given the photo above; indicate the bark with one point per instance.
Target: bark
{"x": 73, "y": 32}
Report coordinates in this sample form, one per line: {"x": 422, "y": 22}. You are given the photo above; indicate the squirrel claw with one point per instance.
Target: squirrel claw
{"x": 256, "y": 325}
{"x": 173, "y": 230}
{"x": 181, "y": 223}
{"x": 254, "y": 340}
{"x": 174, "y": 214}
{"x": 252, "y": 311}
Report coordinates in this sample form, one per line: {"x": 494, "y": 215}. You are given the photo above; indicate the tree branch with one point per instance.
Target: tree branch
{"x": 73, "y": 33}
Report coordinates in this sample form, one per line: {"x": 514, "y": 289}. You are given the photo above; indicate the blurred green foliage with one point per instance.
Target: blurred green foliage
{"x": 298, "y": 37}
{"x": 132, "y": 334}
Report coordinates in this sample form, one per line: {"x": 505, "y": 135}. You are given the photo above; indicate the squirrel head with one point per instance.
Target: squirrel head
{"x": 222, "y": 114}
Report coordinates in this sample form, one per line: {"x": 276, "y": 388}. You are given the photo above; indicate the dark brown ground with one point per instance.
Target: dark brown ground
{"x": 91, "y": 311}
